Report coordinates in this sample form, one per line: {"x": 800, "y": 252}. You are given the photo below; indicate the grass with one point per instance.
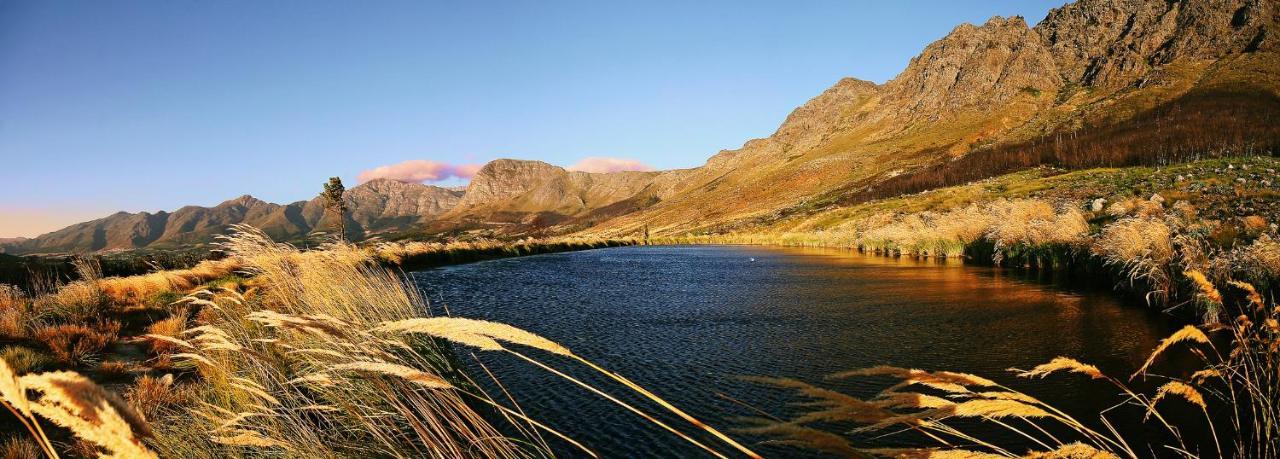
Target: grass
{"x": 276, "y": 351}
{"x": 1239, "y": 384}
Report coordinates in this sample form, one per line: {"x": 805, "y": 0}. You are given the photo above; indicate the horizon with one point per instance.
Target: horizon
{"x": 160, "y": 95}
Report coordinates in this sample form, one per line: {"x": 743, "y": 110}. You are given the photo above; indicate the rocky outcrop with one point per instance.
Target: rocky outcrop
{"x": 1117, "y": 42}
{"x": 509, "y": 190}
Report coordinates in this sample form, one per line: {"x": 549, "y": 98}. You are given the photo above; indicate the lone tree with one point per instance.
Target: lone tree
{"x": 334, "y": 203}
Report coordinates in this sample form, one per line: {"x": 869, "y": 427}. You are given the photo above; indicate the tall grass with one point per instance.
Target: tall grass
{"x": 1242, "y": 382}
{"x": 332, "y": 354}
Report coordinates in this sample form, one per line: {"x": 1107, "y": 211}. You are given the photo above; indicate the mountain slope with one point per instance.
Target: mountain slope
{"x": 1096, "y": 83}
{"x": 1144, "y": 81}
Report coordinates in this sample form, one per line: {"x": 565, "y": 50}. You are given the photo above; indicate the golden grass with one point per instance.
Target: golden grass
{"x": 1143, "y": 249}
{"x": 76, "y": 404}
{"x": 78, "y": 344}
{"x": 330, "y": 338}
{"x": 1061, "y": 364}
{"x": 20, "y": 448}
{"x": 1244, "y": 381}
{"x": 16, "y": 313}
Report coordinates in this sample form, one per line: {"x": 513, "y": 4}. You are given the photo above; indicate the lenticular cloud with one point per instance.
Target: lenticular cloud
{"x": 419, "y": 170}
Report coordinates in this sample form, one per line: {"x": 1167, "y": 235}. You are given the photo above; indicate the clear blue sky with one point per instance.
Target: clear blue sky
{"x": 126, "y": 105}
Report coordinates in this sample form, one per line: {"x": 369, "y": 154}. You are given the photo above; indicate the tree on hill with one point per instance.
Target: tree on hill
{"x": 333, "y": 202}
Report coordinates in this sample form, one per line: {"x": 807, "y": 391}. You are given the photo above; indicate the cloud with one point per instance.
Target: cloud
{"x": 604, "y": 164}
{"x": 419, "y": 170}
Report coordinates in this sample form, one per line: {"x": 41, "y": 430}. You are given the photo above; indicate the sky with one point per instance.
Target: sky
{"x": 153, "y": 105}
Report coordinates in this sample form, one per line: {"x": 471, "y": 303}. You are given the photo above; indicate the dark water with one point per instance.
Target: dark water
{"x": 685, "y": 321}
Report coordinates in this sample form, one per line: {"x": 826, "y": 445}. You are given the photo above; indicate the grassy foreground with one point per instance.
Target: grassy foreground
{"x": 276, "y": 352}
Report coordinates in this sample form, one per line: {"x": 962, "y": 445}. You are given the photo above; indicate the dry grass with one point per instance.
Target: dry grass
{"x": 172, "y": 328}
{"x": 1245, "y": 383}
{"x": 16, "y": 313}
{"x": 20, "y": 448}
{"x": 150, "y": 396}
{"x": 1143, "y": 249}
{"x": 76, "y": 404}
{"x": 24, "y": 359}
{"x": 324, "y": 359}
{"x": 138, "y": 290}
{"x": 78, "y": 344}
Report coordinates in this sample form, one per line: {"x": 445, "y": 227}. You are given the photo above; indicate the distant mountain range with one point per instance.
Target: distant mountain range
{"x": 1096, "y": 83}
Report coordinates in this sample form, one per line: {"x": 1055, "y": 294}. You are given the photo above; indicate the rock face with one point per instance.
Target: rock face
{"x": 974, "y": 68}
{"x": 1114, "y": 43}
{"x": 375, "y": 207}
{"x": 516, "y": 191}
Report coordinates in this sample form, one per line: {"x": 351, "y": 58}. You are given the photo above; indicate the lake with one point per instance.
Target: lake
{"x": 687, "y": 321}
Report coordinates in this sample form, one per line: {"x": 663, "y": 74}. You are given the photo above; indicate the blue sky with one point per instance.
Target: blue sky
{"x": 129, "y": 105}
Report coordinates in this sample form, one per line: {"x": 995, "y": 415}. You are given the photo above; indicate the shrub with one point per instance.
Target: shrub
{"x": 16, "y": 313}
{"x": 171, "y": 327}
{"x": 20, "y": 448}
{"x": 76, "y": 343}
{"x": 1143, "y": 250}
{"x": 24, "y": 359}
{"x": 150, "y": 395}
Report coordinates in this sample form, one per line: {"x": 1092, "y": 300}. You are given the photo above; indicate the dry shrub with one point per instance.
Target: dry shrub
{"x": 1007, "y": 223}
{"x": 20, "y": 448}
{"x": 150, "y": 395}
{"x": 1262, "y": 259}
{"x": 77, "y": 343}
{"x": 24, "y": 359}
{"x": 1143, "y": 249}
{"x": 16, "y": 313}
{"x": 171, "y": 327}
{"x": 1255, "y": 224}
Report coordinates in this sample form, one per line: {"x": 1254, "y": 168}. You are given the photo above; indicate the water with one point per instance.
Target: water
{"x": 686, "y": 321}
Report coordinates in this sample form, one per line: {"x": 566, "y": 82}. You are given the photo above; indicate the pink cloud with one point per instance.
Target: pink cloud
{"x": 419, "y": 170}
{"x": 604, "y": 164}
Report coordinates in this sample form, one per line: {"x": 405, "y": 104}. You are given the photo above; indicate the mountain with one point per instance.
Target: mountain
{"x": 378, "y": 206}
{"x": 1095, "y": 83}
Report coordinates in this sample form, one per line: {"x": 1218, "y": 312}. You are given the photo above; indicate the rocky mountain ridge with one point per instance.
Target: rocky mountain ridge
{"x": 1096, "y": 83}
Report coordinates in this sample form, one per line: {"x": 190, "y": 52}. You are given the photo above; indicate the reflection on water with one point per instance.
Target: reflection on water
{"x": 685, "y": 321}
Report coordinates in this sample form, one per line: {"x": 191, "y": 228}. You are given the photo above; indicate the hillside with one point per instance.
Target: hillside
{"x": 1096, "y": 83}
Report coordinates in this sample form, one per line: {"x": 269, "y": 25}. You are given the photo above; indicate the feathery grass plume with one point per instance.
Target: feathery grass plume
{"x": 1251, "y": 293}
{"x": 793, "y": 434}
{"x": 480, "y": 334}
{"x": 1180, "y": 389}
{"x": 929, "y": 453}
{"x": 420, "y": 378}
{"x": 23, "y": 359}
{"x": 251, "y": 438}
{"x": 1060, "y": 364}
{"x": 1189, "y": 333}
{"x": 1210, "y": 298}
{"x": 946, "y": 381}
{"x": 88, "y": 412}
{"x": 1143, "y": 248}
{"x": 1073, "y": 450}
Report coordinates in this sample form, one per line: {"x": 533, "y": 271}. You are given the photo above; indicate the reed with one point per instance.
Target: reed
{"x": 1242, "y": 385}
